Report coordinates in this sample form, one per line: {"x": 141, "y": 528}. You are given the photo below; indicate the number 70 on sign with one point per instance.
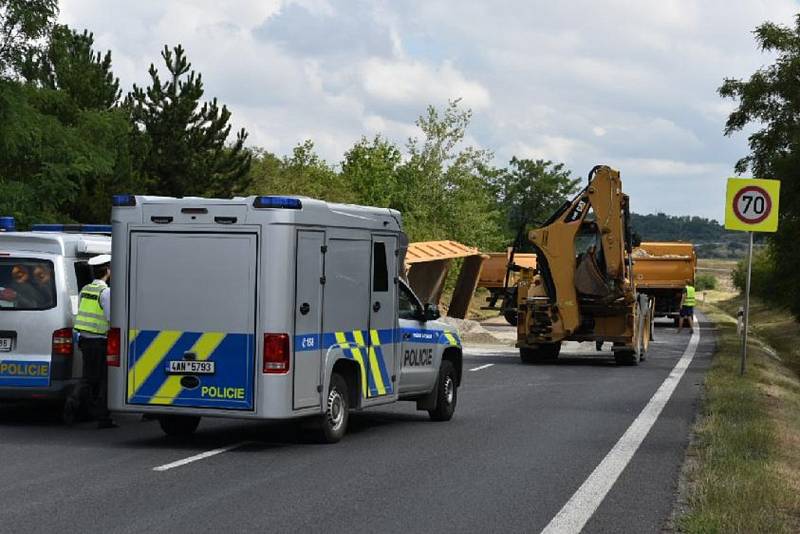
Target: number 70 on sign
{"x": 752, "y": 205}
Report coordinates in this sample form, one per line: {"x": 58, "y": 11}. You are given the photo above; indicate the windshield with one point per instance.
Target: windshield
{"x": 26, "y": 284}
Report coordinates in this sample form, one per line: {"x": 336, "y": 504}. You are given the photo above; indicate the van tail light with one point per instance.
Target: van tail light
{"x": 112, "y": 347}
{"x": 276, "y": 353}
{"x": 62, "y": 342}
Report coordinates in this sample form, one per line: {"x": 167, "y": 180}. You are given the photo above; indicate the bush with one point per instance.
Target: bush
{"x": 705, "y": 281}
{"x": 764, "y": 281}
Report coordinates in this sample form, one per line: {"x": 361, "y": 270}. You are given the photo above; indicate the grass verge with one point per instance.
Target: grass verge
{"x": 744, "y": 473}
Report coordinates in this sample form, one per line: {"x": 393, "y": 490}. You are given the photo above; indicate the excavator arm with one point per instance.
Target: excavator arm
{"x": 599, "y": 215}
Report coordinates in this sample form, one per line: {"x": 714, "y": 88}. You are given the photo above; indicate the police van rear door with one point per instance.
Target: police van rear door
{"x": 192, "y": 319}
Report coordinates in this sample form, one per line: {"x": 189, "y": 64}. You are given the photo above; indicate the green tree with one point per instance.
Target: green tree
{"x": 370, "y": 171}
{"x": 303, "y": 173}
{"x": 181, "y": 145}
{"x": 24, "y": 24}
{"x": 770, "y": 101}
{"x": 529, "y": 191}
{"x": 64, "y": 147}
{"x": 70, "y": 64}
{"x": 445, "y": 188}
{"x": 58, "y": 162}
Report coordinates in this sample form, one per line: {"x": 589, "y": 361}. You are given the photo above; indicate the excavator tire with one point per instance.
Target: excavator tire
{"x": 545, "y": 352}
{"x": 626, "y": 357}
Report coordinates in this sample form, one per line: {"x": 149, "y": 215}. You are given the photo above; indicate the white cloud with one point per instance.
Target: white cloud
{"x": 414, "y": 81}
{"x": 630, "y": 84}
{"x": 666, "y": 167}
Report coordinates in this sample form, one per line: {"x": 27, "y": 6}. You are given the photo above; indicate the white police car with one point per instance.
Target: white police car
{"x": 41, "y": 274}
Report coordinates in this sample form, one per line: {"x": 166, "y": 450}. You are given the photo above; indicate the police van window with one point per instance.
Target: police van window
{"x": 26, "y": 284}
{"x": 380, "y": 272}
{"x": 83, "y": 274}
{"x": 408, "y": 306}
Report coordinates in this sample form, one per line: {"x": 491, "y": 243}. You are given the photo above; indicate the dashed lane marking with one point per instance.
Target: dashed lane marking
{"x": 482, "y": 367}
{"x": 198, "y": 457}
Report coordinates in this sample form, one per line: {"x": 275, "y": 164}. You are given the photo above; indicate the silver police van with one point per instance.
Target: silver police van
{"x": 41, "y": 275}
{"x": 269, "y": 308}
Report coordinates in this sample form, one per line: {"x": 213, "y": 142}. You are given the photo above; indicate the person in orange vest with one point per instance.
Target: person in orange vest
{"x": 688, "y": 300}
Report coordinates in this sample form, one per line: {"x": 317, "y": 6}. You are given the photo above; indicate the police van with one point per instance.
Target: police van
{"x": 41, "y": 275}
{"x": 269, "y": 307}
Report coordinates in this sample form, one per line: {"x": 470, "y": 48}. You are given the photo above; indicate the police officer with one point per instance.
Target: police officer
{"x": 688, "y": 301}
{"x": 92, "y": 323}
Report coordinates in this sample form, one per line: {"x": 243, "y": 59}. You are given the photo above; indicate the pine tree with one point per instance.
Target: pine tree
{"x": 70, "y": 64}
{"x": 181, "y": 145}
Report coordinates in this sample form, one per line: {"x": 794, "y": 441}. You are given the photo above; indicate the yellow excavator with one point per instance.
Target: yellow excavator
{"x": 582, "y": 288}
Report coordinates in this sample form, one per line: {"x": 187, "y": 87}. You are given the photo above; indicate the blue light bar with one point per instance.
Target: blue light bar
{"x": 7, "y": 224}
{"x": 47, "y": 227}
{"x": 287, "y": 203}
{"x": 123, "y": 200}
{"x": 73, "y": 228}
{"x": 96, "y": 228}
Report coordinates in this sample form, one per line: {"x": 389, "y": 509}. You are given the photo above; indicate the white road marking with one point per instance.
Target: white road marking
{"x": 482, "y": 367}
{"x": 583, "y": 504}
{"x": 197, "y": 457}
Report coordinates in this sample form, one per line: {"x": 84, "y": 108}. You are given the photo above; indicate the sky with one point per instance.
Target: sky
{"x": 631, "y": 84}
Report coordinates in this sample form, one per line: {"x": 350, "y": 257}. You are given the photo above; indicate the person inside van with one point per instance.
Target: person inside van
{"x": 43, "y": 282}
{"x": 26, "y": 295}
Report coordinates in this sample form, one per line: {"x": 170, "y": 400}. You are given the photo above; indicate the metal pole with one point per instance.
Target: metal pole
{"x": 747, "y": 303}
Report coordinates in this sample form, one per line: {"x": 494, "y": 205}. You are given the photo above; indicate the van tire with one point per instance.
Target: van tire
{"x": 179, "y": 425}
{"x": 332, "y": 425}
{"x": 446, "y": 393}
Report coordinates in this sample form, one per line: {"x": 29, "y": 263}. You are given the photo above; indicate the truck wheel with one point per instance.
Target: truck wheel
{"x": 179, "y": 425}
{"x": 333, "y": 423}
{"x": 511, "y": 316}
{"x": 446, "y": 393}
{"x": 545, "y": 352}
{"x": 510, "y": 307}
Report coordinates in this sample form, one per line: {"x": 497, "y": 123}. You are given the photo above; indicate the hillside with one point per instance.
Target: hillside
{"x": 710, "y": 237}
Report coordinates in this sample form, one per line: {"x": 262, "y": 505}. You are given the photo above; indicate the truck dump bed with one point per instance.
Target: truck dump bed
{"x": 493, "y": 272}
{"x": 664, "y": 264}
{"x": 661, "y": 270}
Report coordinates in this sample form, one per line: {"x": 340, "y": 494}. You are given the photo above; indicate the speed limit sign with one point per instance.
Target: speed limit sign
{"x": 752, "y": 205}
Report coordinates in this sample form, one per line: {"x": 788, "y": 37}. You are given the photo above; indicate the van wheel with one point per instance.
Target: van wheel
{"x": 332, "y": 426}
{"x": 446, "y": 393}
{"x": 179, "y": 425}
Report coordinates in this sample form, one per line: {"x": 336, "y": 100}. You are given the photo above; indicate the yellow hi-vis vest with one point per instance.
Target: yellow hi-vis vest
{"x": 689, "y": 301}
{"x": 90, "y": 314}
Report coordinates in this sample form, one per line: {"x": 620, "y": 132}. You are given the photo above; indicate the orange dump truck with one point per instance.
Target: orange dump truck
{"x": 493, "y": 278}
{"x": 661, "y": 269}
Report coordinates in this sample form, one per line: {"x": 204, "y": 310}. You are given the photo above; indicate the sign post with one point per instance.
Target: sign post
{"x": 751, "y": 206}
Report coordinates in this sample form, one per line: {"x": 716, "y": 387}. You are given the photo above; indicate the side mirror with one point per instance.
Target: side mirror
{"x": 431, "y": 312}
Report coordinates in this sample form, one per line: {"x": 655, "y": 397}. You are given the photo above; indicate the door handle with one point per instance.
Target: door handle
{"x": 376, "y": 307}
{"x": 304, "y": 308}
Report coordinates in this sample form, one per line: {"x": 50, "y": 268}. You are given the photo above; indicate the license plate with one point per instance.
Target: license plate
{"x": 188, "y": 367}
{"x": 5, "y": 344}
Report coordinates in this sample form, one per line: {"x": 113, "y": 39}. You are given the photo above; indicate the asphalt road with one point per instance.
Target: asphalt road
{"x": 523, "y": 440}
